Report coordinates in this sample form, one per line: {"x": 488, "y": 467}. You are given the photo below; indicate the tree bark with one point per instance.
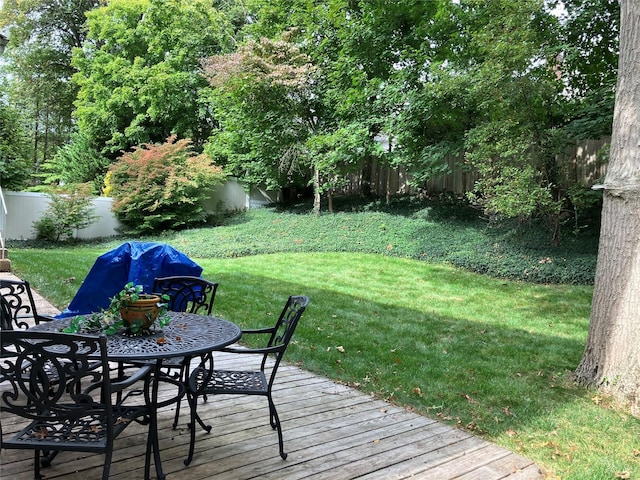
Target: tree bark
{"x": 316, "y": 190}
{"x": 611, "y": 359}
{"x": 388, "y": 186}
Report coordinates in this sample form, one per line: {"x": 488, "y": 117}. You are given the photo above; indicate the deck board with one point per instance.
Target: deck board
{"x": 330, "y": 432}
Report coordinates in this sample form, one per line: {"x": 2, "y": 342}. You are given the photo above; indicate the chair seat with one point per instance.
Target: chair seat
{"x": 85, "y": 433}
{"x": 207, "y": 380}
{"x": 78, "y": 412}
{"x": 225, "y": 381}
{"x": 171, "y": 362}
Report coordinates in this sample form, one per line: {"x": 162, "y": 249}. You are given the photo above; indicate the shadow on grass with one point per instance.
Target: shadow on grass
{"x": 484, "y": 354}
{"x": 485, "y": 376}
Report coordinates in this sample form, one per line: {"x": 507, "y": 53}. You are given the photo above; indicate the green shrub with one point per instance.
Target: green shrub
{"x": 66, "y": 212}
{"x": 46, "y": 229}
{"x": 161, "y": 187}
{"x": 77, "y": 163}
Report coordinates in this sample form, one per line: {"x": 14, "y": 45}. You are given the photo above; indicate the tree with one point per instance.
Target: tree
{"x": 77, "y": 163}
{"x": 264, "y": 97}
{"x": 588, "y": 65}
{"x": 15, "y": 165}
{"x": 162, "y": 186}
{"x": 139, "y": 73}
{"x": 611, "y": 358}
{"x": 357, "y": 45}
{"x": 43, "y": 34}
{"x": 506, "y": 105}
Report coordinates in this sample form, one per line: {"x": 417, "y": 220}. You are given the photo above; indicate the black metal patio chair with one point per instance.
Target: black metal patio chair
{"x": 206, "y": 380}
{"x": 18, "y": 312}
{"x": 18, "y": 306}
{"x": 186, "y": 294}
{"x": 78, "y": 414}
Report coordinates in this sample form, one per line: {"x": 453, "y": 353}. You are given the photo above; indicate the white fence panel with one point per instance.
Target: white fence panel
{"x": 24, "y": 208}
{"x": 232, "y": 197}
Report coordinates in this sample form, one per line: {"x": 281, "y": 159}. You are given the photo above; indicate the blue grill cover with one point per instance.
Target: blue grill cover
{"x": 138, "y": 262}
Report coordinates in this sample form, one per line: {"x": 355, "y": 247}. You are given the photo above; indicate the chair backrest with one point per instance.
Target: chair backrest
{"x": 18, "y": 305}
{"x": 285, "y": 326}
{"x": 31, "y": 366}
{"x": 6, "y": 319}
{"x": 187, "y": 294}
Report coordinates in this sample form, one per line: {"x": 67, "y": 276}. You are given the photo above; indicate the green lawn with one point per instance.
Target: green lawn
{"x": 491, "y": 356}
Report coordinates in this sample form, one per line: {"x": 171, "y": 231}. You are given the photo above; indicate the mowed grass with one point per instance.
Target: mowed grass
{"x": 491, "y": 356}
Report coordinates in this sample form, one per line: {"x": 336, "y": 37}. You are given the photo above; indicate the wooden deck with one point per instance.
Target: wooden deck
{"x": 330, "y": 431}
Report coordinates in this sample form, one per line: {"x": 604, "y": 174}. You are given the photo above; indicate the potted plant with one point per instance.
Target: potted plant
{"x": 130, "y": 308}
{"x": 137, "y": 309}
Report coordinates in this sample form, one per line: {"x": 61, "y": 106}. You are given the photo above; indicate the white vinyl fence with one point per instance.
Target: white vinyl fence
{"x": 24, "y": 208}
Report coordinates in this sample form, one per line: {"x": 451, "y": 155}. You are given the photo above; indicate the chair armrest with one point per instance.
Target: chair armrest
{"x": 253, "y": 350}
{"x": 117, "y": 386}
{"x": 43, "y": 318}
{"x": 258, "y": 331}
{"x": 140, "y": 374}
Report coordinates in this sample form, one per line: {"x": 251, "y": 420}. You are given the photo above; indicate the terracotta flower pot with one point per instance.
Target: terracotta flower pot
{"x": 142, "y": 313}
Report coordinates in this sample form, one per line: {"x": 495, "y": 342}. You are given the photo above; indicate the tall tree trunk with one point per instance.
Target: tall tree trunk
{"x": 316, "y": 190}
{"x": 36, "y": 134}
{"x": 388, "y": 186}
{"x": 611, "y": 358}
{"x": 47, "y": 128}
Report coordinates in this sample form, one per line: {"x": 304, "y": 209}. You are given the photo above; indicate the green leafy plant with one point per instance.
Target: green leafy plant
{"x": 110, "y": 321}
{"x": 162, "y": 186}
{"x": 67, "y": 211}
{"x": 46, "y": 228}
{"x": 128, "y": 296}
{"x": 94, "y": 323}
{"x": 78, "y": 162}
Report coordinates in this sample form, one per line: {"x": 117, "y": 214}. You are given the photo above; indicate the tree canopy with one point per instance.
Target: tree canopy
{"x": 297, "y": 93}
{"x": 138, "y": 72}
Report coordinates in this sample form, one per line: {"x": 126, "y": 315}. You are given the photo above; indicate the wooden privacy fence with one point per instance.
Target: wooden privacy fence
{"x": 581, "y": 164}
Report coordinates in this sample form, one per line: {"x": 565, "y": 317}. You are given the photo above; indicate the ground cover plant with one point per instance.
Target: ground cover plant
{"x": 442, "y": 231}
{"x": 489, "y": 355}
{"x": 447, "y": 231}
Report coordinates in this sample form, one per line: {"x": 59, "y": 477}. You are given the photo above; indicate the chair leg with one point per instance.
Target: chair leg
{"x": 275, "y": 424}
{"x": 150, "y": 444}
{"x": 47, "y": 458}
{"x": 184, "y": 378}
{"x": 151, "y": 438}
{"x": 107, "y": 463}
{"x": 193, "y": 402}
{"x": 177, "y": 415}
{"x": 36, "y": 465}
{"x": 273, "y": 415}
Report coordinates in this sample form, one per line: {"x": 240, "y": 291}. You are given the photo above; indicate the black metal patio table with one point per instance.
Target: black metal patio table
{"x": 186, "y": 335}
